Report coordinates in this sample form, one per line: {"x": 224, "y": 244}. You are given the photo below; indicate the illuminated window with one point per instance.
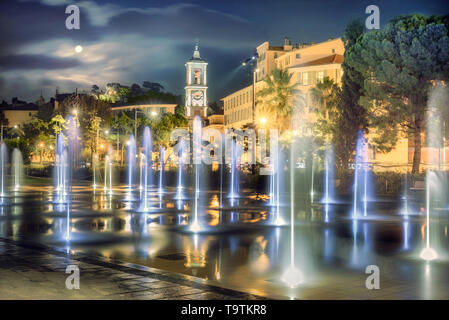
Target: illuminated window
{"x": 320, "y": 76}
{"x": 305, "y": 78}
{"x": 197, "y": 76}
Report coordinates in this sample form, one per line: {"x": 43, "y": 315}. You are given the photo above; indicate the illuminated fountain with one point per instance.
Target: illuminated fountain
{"x": 222, "y": 164}
{"x": 146, "y": 169}
{"x": 428, "y": 253}
{"x": 312, "y": 178}
{"x": 436, "y": 190}
{"x": 108, "y": 172}
{"x": 234, "y": 176}
{"x": 197, "y": 152}
{"x": 292, "y": 276}
{"x": 161, "y": 174}
{"x": 179, "y": 188}
{"x": 274, "y": 178}
{"x": 363, "y": 181}
{"x": 62, "y": 171}
{"x": 17, "y": 166}
{"x": 132, "y": 155}
{"x": 3, "y": 169}
{"x": 329, "y": 189}
{"x": 94, "y": 171}
{"x": 277, "y": 178}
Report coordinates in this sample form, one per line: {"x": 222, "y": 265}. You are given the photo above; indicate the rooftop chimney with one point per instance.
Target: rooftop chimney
{"x": 287, "y": 44}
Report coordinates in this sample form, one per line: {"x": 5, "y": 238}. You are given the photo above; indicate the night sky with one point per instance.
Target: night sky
{"x": 132, "y": 41}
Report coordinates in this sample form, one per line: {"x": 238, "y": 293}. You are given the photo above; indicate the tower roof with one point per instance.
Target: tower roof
{"x": 196, "y": 54}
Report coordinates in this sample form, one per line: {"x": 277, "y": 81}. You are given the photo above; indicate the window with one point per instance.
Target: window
{"x": 320, "y": 76}
{"x": 333, "y": 50}
{"x": 275, "y": 55}
{"x": 305, "y": 78}
{"x": 298, "y": 56}
{"x": 197, "y": 76}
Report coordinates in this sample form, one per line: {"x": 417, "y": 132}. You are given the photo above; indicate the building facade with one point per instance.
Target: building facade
{"x": 308, "y": 64}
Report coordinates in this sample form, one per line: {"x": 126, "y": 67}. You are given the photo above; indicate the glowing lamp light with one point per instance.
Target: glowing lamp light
{"x": 293, "y": 277}
{"x": 279, "y": 221}
{"x": 195, "y": 227}
{"x": 153, "y": 113}
{"x": 428, "y": 254}
{"x": 78, "y": 49}
{"x": 263, "y": 120}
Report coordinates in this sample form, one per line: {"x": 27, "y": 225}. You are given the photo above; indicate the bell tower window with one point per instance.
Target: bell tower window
{"x": 197, "y": 76}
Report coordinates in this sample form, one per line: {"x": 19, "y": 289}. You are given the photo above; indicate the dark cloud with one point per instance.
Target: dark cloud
{"x": 186, "y": 21}
{"x": 24, "y": 23}
{"x": 35, "y": 61}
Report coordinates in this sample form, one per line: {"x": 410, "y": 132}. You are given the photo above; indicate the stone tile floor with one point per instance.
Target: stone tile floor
{"x": 28, "y": 271}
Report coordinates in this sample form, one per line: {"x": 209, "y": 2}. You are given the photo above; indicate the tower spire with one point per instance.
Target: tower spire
{"x": 196, "y": 53}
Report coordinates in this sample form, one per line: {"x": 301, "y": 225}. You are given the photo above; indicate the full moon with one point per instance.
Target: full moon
{"x": 78, "y": 48}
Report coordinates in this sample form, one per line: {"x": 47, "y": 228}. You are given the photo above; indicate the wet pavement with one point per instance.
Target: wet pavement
{"x": 29, "y": 271}
{"x": 239, "y": 248}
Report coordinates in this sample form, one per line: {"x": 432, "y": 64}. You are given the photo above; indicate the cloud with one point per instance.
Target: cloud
{"x": 121, "y": 44}
{"x": 35, "y": 62}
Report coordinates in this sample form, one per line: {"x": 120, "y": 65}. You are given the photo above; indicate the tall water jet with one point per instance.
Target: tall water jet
{"x": 179, "y": 188}
{"x": 146, "y": 168}
{"x": 62, "y": 170}
{"x": 131, "y": 154}
{"x": 161, "y": 173}
{"x": 275, "y": 170}
{"x": 312, "y": 178}
{"x": 17, "y": 168}
{"x": 197, "y": 156}
{"x": 222, "y": 163}
{"x": 108, "y": 172}
{"x": 437, "y": 105}
{"x": 428, "y": 253}
{"x": 329, "y": 189}
{"x": 362, "y": 190}
{"x": 292, "y": 276}
{"x": 161, "y": 169}
{"x": 94, "y": 171}
{"x": 3, "y": 164}
{"x": 234, "y": 178}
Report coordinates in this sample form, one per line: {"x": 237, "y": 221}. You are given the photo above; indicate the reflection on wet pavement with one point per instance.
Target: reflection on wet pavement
{"x": 238, "y": 247}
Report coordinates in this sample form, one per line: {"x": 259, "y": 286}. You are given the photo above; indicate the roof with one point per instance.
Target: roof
{"x": 196, "y": 55}
{"x": 334, "y": 58}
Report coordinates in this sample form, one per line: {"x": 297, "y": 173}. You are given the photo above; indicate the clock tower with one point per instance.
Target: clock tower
{"x": 196, "y": 86}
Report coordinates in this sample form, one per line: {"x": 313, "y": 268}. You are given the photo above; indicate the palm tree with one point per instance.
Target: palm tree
{"x": 278, "y": 98}
{"x": 324, "y": 95}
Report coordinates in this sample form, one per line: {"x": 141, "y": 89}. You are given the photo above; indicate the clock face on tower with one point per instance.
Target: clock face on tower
{"x": 197, "y": 98}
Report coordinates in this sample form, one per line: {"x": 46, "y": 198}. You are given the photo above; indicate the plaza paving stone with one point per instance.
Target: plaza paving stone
{"x": 30, "y": 271}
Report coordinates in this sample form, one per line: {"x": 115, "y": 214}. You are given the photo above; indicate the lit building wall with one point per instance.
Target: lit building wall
{"x": 238, "y": 108}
